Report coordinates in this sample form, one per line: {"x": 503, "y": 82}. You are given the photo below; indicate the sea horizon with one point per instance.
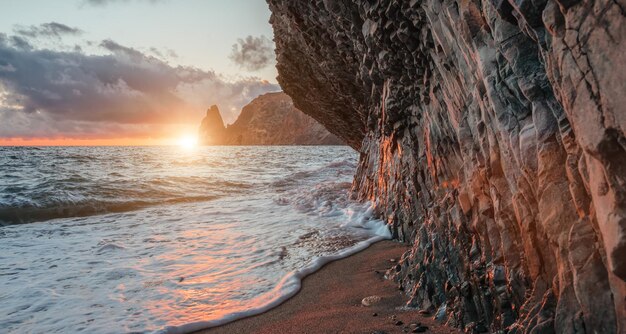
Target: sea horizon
{"x": 176, "y": 145}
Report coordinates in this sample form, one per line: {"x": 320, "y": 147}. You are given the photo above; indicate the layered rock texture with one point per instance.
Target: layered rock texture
{"x": 270, "y": 119}
{"x": 492, "y": 138}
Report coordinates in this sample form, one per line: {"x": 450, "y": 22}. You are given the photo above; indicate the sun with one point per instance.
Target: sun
{"x": 188, "y": 141}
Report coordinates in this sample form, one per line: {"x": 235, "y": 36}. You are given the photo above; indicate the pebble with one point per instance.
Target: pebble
{"x": 399, "y": 323}
{"x": 371, "y": 300}
{"x": 415, "y": 325}
{"x": 374, "y": 314}
{"x": 420, "y": 329}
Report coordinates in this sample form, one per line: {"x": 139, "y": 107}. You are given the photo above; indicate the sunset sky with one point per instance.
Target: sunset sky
{"x": 129, "y": 72}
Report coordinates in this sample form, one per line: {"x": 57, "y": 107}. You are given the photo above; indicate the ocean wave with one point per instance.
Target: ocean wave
{"x": 30, "y": 213}
{"x": 326, "y": 199}
{"x": 76, "y": 195}
{"x": 290, "y": 284}
{"x": 345, "y": 167}
{"x": 278, "y": 215}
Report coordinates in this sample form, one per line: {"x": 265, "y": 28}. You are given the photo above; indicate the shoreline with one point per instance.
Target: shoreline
{"x": 330, "y": 301}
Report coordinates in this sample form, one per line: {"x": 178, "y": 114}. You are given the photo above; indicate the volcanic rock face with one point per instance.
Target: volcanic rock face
{"x": 270, "y": 119}
{"x": 492, "y": 139}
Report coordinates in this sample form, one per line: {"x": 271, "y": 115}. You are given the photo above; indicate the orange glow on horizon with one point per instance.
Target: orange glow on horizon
{"x": 91, "y": 142}
{"x": 166, "y": 135}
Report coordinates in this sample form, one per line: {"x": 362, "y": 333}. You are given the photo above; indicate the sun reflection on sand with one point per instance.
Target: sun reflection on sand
{"x": 193, "y": 284}
{"x": 195, "y": 301}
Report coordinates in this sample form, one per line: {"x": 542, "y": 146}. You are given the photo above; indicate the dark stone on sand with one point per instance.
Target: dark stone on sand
{"x": 420, "y": 329}
{"x": 415, "y": 325}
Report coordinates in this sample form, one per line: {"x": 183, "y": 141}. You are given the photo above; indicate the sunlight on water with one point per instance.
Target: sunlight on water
{"x": 110, "y": 240}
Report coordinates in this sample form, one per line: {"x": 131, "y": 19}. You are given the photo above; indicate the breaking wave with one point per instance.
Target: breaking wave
{"x": 164, "y": 241}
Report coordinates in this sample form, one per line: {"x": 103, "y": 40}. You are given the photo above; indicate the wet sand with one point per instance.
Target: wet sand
{"x": 330, "y": 301}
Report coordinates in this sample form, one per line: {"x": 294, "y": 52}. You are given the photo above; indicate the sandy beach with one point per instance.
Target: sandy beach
{"x": 330, "y": 301}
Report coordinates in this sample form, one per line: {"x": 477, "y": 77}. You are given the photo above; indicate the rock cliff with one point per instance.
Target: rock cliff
{"x": 270, "y": 119}
{"x": 492, "y": 138}
{"x": 212, "y": 130}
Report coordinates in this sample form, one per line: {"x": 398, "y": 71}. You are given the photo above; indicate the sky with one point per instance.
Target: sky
{"x": 129, "y": 72}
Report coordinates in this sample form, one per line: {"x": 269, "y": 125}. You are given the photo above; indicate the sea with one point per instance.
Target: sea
{"x": 168, "y": 239}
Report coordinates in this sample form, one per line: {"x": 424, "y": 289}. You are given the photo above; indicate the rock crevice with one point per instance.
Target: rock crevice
{"x": 492, "y": 138}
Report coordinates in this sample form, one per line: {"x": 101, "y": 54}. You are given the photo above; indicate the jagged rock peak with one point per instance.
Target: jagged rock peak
{"x": 212, "y": 128}
{"x": 270, "y": 119}
{"x": 214, "y": 111}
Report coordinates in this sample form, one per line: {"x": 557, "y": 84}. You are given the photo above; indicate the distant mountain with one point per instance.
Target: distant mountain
{"x": 270, "y": 119}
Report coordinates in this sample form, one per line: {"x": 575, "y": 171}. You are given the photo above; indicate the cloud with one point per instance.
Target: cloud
{"x": 49, "y": 93}
{"x": 20, "y": 43}
{"x": 118, "y": 49}
{"x": 253, "y": 53}
{"x": 163, "y": 54}
{"x": 51, "y": 29}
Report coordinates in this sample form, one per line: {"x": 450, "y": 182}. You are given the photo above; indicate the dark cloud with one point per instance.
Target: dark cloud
{"x": 164, "y": 54}
{"x": 51, "y": 29}
{"x": 20, "y": 43}
{"x": 118, "y": 49}
{"x": 47, "y": 93}
{"x": 253, "y": 53}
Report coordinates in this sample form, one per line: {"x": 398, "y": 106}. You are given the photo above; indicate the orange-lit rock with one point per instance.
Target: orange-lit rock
{"x": 492, "y": 138}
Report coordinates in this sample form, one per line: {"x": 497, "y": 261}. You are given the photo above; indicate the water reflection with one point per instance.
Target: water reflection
{"x": 210, "y": 232}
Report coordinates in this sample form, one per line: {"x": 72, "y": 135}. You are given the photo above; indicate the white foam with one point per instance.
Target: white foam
{"x": 186, "y": 264}
{"x": 290, "y": 285}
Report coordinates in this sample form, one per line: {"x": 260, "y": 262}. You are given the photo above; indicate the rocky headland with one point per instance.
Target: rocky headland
{"x": 270, "y": 119}
{"x": 492, "y": 140}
